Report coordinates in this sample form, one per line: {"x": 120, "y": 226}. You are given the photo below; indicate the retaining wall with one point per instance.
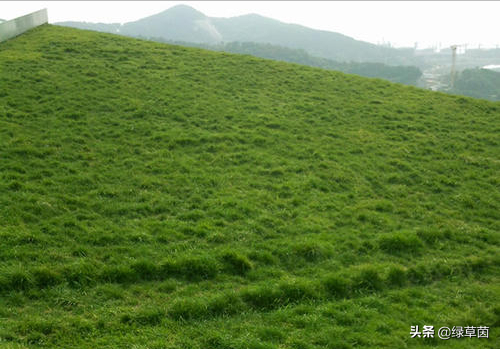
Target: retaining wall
{"x": 19, "y": 25}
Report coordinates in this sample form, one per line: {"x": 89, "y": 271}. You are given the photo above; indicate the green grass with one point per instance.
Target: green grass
{"x": 155, "y": 196}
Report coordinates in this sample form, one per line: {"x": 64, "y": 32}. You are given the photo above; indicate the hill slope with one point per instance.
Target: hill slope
{"x": 407, "y": 75}
{"x": 155, "y": 196}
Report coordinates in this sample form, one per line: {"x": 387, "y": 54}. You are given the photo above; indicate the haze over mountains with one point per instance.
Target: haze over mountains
{"x": 184, "y": 23}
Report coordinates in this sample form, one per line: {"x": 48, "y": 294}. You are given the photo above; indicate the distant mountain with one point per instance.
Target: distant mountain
{"x": 478, "y": 83}
{"x": 331, "y": 45}
{"x": 177, "y": 23}
{"x": 183, "y": 23}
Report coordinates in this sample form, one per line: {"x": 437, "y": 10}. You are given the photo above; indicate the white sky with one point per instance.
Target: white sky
{"x": 402, "y": 23}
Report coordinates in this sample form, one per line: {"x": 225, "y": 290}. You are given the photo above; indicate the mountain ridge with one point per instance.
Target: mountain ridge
{"x": 180, "y": 23}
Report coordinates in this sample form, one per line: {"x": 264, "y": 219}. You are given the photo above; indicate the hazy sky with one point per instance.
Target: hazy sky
{"x": 401, "y": 23}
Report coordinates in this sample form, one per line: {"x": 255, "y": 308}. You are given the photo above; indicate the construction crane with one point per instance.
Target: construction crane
{"x": 454, "y": 61}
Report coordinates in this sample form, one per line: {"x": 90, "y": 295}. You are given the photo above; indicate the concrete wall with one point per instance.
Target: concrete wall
{"x": 19, "y": 25}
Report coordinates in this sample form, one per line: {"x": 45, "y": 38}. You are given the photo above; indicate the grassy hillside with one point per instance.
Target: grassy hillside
{"x": 402, "y": 74}
{"x": 156, "y": 196}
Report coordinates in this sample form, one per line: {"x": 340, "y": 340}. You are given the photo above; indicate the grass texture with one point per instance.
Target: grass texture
{"x": 156, "y": 196}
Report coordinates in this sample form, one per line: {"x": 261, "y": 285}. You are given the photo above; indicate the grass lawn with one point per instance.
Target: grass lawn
{"x": 157, "y": 196}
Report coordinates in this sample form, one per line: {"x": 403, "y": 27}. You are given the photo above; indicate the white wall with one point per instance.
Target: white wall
{"x": 17, "y": 26}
